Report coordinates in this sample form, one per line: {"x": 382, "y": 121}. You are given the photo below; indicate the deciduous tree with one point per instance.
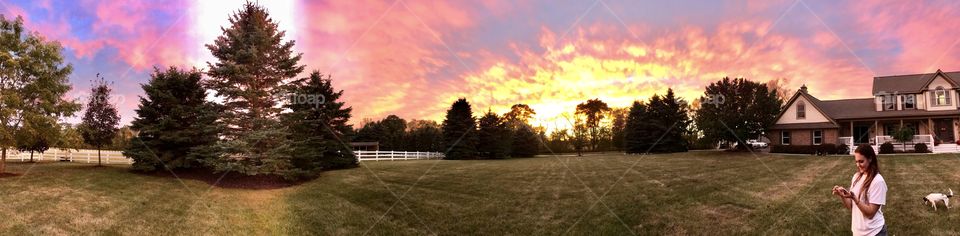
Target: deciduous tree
{"x": 33, "y": 81}
{"x": 100, "y": 120}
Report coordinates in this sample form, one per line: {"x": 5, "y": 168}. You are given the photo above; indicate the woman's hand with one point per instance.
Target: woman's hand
{"x": 837, "y": 190}
{"x": 846, "y": 194}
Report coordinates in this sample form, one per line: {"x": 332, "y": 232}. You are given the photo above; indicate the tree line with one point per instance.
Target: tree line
{"x": 268, "y": 122}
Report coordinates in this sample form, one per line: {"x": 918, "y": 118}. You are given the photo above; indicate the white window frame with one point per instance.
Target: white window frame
{"x": 889, "y": 102}
{"x": 913, "y": 101}
{"x": 801, "y": 110}
{"x": 815, "y": 137}
{"x": 785, "y": 136}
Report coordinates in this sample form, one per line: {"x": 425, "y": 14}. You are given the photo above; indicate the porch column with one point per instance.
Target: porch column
{"x": 930, "y": 126}
{"x": 876, "y": 130}
{"x": 854, "y": 136}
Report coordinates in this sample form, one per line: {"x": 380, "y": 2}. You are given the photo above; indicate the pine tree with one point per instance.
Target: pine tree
{"x": 100, "y": 120}
{"x": 526, "y": 142}
{"x": 175, "y": 123}
{"x": 318, "y": 127}
{"x": 676, "y": 115}
{"x": 638, "y": 133}
{"x": 253, "y": 61}
{"x": 492, "y": 137}
{"x": 459, "y": 131}
{"x": 33, "y": 81}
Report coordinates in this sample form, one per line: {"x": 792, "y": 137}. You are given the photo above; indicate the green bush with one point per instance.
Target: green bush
{"x": 886, "y": 148}
{"x": 826, "y": 149}
{"x": 823, "y": 149}
{"x": 843, "y": 149}
{"x": 921, "y": 148}
{"x": 795, "y": 149}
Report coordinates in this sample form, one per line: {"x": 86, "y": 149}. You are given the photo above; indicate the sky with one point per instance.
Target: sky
{"x": 414, "y": 58}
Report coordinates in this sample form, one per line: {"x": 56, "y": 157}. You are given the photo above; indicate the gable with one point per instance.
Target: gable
{"x": 813, "y": 115}
{"x": 939, "y": 81}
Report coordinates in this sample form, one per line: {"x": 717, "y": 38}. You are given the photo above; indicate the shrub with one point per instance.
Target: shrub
{"x": 958, "y": 142}
{"x": 795, "y": 149}
{"x": 921, "y": 148}
{"x": 843, "y": 149}
{"x": 828, "y": 149}
{"x": 886, "y": 148}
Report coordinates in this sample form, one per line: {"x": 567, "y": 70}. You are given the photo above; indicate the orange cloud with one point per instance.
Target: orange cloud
{"x": 604, "y": 62}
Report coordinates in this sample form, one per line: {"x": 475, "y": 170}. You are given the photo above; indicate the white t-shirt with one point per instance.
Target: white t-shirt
{"x": 877, "y": 194}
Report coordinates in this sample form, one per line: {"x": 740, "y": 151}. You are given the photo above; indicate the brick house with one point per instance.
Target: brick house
{"x": 926, "y": 103}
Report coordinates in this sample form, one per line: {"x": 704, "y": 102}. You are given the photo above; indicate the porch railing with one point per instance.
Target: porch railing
{"x": 917, "y": 138}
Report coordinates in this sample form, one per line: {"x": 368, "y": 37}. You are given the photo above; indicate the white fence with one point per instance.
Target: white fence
{"x": 73, "y": 155}
{"x": 116, "y": 157}
{"x": 396, "y": 155}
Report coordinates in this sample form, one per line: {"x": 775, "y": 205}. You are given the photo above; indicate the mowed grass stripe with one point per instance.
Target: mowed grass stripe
{"x": 685, "y": 193}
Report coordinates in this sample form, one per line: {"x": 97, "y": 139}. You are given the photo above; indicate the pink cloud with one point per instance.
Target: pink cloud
{"x": 924, "y": 33}
{"x": 381, "y": 53}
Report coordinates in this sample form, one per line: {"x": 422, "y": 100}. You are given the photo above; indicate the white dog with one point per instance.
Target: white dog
{"x": 933, "y": 198}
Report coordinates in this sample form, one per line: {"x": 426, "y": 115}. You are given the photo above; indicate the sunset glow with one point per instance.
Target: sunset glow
{"x": 414, "y": 58}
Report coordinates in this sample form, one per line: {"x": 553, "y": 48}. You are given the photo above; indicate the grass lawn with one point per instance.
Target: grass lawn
{"x": 688, "y": 193}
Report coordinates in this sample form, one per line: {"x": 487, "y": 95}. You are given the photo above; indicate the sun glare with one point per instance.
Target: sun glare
{"x": 209, "y": 16}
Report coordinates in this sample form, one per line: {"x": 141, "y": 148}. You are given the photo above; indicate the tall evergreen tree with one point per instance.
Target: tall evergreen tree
{"x": 638, "y": 132}
{"x": 669, "y": 114}
{"x": 492, "y": 137}
{"x": 619, "y": 117}
{"x": 176, "y": 123}
{"x": 33, "y": 81}
{"x": 100, "y": 120}
{"x": 459, "y": 131}
{"x": 317, "y": 122}
{"x": 526, "y": 141}
{"x": 253, "y": 61}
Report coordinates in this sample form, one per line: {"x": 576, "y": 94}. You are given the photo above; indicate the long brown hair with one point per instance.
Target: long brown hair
{"x": 873, "y": 169}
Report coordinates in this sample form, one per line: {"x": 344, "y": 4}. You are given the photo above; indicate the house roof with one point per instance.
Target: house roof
{"x": 910, "y": 83}
{"x": 813, "y": 102}
{"x": 864, "y": 108}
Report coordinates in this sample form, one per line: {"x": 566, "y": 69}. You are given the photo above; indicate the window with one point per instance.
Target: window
{"x": 941, "y": 96}
{"x": 785, "y": 137}
{"x": 910, "y": 101}
{"x": 888, "y": 103}
{"x": 817, "y": 137}
{"x": 801, "y": 110}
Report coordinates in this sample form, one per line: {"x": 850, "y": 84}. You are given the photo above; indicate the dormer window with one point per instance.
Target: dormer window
{"x": 889, "y": 103}
{"x": 801, "y": 110}
{"x": 910, "y": 101}
{"x": 941, "y": 96}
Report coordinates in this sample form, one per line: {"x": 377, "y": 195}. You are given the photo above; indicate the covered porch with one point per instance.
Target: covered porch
{"x": 927, "y": 130}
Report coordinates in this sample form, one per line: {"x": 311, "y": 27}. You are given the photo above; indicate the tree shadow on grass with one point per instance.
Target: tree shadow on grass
{"x": 232, "y": 180}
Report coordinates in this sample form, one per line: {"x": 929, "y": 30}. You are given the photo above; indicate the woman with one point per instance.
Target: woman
{"x": 867, "y": 194}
